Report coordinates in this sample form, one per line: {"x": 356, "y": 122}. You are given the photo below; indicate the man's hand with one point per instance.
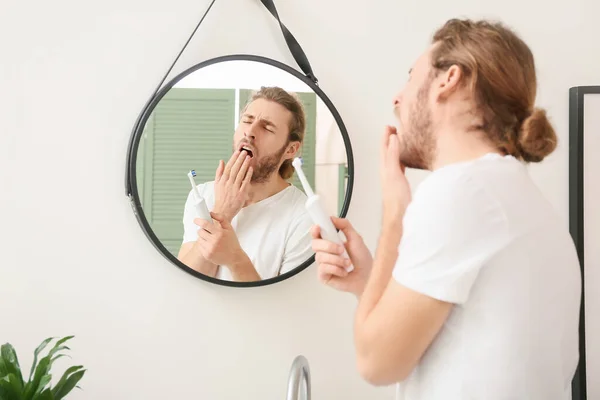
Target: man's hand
{"x": 332, "y": 264}
{"x": 395, "y": 186}
{"x": 218, "y": 243}
{"x": 232, "y": 184}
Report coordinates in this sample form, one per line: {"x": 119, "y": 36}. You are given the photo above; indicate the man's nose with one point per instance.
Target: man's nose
{"x": 397, "y": 101}
{"x": 251, "y": 132}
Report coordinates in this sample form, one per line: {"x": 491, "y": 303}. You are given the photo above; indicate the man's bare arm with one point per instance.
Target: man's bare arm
{"x": 190, "y": 255}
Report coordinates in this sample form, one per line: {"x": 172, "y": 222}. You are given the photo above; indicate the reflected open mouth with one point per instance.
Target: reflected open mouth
{"x": 248, "y": 150}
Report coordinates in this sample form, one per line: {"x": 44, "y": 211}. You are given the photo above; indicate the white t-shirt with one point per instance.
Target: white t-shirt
{"x": 274, "y": 232}
{"x": 481, "y": 235}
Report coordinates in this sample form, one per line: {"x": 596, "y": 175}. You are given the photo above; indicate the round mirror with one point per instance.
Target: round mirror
{"x": 210, "y": 171}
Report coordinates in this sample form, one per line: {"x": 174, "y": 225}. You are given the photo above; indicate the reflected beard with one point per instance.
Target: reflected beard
{"x": 418, "y": 143}
{"x": 266, "y": 166}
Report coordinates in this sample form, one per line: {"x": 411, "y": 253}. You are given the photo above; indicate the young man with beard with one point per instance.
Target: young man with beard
{"x": 260, "y": 227}
{"x": 474, "y": 291}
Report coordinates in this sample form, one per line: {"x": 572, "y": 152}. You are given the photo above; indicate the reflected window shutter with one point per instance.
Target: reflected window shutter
{"x": 308, "y": 151}
{"x": 190, "y": 129}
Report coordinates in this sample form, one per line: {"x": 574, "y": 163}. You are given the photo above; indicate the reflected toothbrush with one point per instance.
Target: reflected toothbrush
{"x": 317, "y": 211}
{"x": 199, "y": 202}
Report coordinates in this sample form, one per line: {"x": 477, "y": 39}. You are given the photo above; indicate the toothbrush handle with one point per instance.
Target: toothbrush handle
{"x": 328, "y": 231}
{"x": 202, "y": 210}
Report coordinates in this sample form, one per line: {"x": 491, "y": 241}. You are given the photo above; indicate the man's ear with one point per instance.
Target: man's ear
{"x": 448, "y": 82}
{"x": 292, "y": 150}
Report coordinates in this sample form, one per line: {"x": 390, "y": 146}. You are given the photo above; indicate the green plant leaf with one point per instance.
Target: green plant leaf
{"x": 36, "y": 354}
{"x": 45, "y": 395}
{"x": 62, "y": 382}
{"x": 11, "y": 387}
{"x": 63, "y": 340}
{"x": 69, "y": 383}
{"x": 43, "y": 368}
{"x": 3, "y": 368}
{"x": 55, "y": 350}
{"x": 11, "y": 362}
{"x": 46, "y": 379}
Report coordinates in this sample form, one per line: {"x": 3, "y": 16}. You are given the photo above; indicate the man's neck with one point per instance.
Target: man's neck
{"x": 460, "y": 146}
{"x": 264, "y": 190}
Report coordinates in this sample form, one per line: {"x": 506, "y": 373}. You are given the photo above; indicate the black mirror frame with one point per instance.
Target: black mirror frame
{"x": 131, "y": 180}
{"x": 576, "y": 218}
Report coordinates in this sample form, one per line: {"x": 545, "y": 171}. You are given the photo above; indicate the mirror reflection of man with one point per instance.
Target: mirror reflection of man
{"x": 260, "y": 227}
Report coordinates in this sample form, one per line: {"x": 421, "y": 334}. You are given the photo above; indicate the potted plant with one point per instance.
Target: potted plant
{"x": 38, "y": 385}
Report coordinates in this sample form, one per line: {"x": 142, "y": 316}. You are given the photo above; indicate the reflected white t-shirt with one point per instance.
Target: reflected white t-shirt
{"x": 274, "y": 232}
{"x": 481, "y": 235}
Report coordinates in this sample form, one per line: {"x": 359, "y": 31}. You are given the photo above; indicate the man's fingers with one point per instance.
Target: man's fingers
{"x": 315, "y": 232}
{"x": 331, "y": 259}
{"x": 230, "y": 163}
{"x": 325, "y": 246}
{"x": 389, "y": 132}
{"x": 204, "y": 224}
{"x": 237, "y": 164}
{"x": 345, "y": 226}
{"x": 220, "y": 169}
{"x": 241, "y": 175}
{"x": 223, "y": 222}
{"x": 392, "y": 159}
{"x": 385, "y": 138}
{"x": 327, "y": 271}
{"x": 204, "y": 236}
{"x": 393, "y": 150}
{"x": 247, "y": 179}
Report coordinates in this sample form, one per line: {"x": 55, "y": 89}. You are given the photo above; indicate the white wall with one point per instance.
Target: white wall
{"x": 74, "y": 76}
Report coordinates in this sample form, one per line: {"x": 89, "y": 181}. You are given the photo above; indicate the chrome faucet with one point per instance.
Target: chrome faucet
{"x": 299, "y": 373}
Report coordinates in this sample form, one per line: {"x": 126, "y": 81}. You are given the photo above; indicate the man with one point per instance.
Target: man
{"x": 474, "y": 290}
{"x": 260, "y": 227}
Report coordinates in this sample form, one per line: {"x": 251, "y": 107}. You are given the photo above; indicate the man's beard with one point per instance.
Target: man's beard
{"x": 265, "y": 166}
{"x": 418, "y": 143}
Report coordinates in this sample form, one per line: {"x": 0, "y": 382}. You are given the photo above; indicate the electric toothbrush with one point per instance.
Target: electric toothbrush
{"x": 317, "y": 211}
{"x": 199, "y": 202}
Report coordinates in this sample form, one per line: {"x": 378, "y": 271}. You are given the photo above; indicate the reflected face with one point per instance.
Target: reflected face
{"x": 413, "y": 110}
{"x": 263, "y": 132}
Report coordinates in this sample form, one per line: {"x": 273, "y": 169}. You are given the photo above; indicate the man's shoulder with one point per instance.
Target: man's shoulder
{"x": 454, "y": 195}
{"x": 445, "y": 184}
{"x": 206, "y": 189}
{"x": 296, "y": 204}
{"x": 297, "y": 199}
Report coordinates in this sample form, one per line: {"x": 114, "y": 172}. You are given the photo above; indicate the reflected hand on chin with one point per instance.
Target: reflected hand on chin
{"x": 218, "y": 242}
{"x": 332, "y": 264}
{"x": 396, "y": 189}
{"x": 232, "y": 184}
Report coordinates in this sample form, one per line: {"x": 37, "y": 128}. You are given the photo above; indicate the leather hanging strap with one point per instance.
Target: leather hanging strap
{"x": 183, "y": 48}
{"x": 291, "y": 41}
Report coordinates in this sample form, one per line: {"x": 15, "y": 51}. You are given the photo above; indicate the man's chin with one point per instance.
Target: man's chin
{"x": 410, "y": 162}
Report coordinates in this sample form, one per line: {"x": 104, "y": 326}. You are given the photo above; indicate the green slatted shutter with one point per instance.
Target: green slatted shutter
{"x": 189, "y": 129}
{"x": 307, "y": 152}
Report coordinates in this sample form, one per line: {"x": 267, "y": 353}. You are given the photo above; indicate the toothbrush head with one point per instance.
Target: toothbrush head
{"x": 192, "y": 173}
{"x": 297, "y": 163}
